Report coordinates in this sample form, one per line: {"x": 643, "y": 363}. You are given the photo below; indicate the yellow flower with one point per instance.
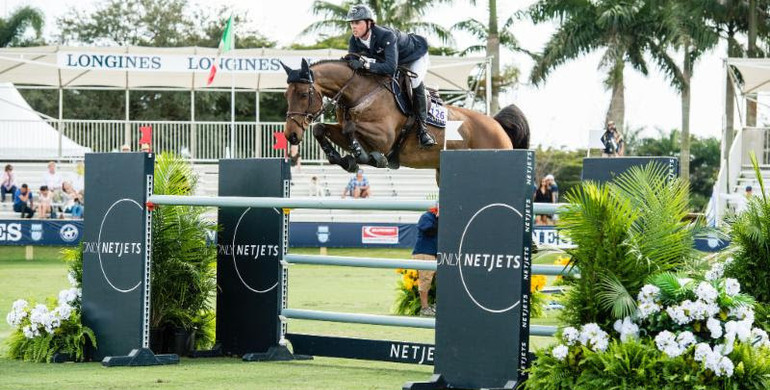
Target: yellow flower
{"x": 413, "y": 274}
{"x": 400, "y": 271}
{"x": 408, "y": 284}
{"x": 562, "y": 260}
{"x": 537, "y": 283}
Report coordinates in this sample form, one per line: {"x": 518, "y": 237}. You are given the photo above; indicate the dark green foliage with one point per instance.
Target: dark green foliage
{"x": 70, "y": 338}
{"x": 750, "y": 244}
{"x": 624, "y": 233}
{"x": 183, "y": 269}
{"x": 12, "y": 28}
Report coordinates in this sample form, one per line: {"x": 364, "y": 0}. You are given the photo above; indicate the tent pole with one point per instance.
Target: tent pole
{"x": 127, "y": 131}
{"x": 258, "y": 152}
{"x": 193, "y": 130}
{"x": 61, "y": 125}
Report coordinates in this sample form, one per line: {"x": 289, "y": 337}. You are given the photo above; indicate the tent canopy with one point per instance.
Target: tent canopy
{"x": 751, "y": 75}
{"x": 131, "y": 67}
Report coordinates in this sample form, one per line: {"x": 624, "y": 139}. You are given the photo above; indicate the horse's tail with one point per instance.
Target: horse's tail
{"x": 515, "y": 124}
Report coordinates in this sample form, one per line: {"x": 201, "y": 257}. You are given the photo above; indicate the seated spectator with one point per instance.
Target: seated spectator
{"x": 125, "y": 148}
{"x": 52, "y": 179}
{"x": 554, "y": 187}
{"x": 358, "y": 186}
{"x": 44, "y": 203}
{"x": 78, "y": 181}
{"x": 71, "y": 200}
{"x": 22, "y": 202}
{"x": 316, "y": 189}
{"x": 8, "y": 182}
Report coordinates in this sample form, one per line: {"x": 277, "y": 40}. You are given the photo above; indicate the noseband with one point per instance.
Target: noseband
{"x": 310, "y": 117}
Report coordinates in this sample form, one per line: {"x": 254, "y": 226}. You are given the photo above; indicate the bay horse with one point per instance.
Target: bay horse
{"x": 369, "y": 121}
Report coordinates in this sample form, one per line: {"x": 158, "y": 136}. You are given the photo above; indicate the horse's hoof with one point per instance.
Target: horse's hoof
{"x": 349, "y": 164}
{"x": 393, "y": 161}
{"x": 379, "y": 160}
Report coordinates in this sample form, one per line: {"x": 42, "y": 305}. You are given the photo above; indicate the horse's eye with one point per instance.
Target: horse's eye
{"x": 305, "y": 94}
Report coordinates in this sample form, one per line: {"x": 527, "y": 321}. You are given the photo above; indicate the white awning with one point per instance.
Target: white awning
{"x": 184, "y": 68}
{"x": 751, "y": 75}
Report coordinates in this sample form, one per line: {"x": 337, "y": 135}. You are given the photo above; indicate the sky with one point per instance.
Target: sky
{"x": 561, "y": 112}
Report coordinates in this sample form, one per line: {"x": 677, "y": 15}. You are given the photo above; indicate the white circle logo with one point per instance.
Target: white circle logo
{"x": 235, "y": 263}
{"x": 99, "y": 244}
{"x": 499, "y": 230}
{"x": 69, "y": 232}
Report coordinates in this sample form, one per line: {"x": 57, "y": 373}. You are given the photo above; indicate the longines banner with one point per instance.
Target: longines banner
{"x": 170, "y": 63}
{"x": 59, "y": 232}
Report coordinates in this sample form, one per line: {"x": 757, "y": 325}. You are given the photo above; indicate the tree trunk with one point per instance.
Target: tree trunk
{"x": 617, "y": 109}
{"x": 493, "y": 50}
{"x": 684, "y": 157}
{"x": 729, "y": 100}
{"x": 751, "y": 105}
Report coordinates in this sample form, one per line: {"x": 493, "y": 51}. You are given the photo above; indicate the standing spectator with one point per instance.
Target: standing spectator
{"x": 52, "y": 179}
{"x": 358, "y": 186}
{"x": 614, "y": 145}
{"x": 22, "y": 202}
{"x": 44, "y": 207}
{"x": 78, "y": 182}
{"x": 8, "y": 182}
{"x": 426, "y": 248}
{"x": 71, "y": 200}
{"x": 543, "y": 195}
{"x": 315, "y": 187}
{"x": 554, "y": 187}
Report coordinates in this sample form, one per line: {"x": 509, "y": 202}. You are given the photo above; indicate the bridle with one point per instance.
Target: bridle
{"x": 309, "y": 117}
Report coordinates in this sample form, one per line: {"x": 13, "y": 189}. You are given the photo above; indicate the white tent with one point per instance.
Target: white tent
{"x": 131, "y": 67}
{"x": 25, "y": 135}
{"x": 752, "y": 75}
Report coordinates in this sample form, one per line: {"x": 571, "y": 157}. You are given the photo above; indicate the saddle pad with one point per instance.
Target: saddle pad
{"x": 437, "y": 115}
{"x": 401, "y": 100}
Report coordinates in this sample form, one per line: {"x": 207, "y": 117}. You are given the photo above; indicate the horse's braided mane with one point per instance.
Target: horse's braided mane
{"x": 328, "y": 61}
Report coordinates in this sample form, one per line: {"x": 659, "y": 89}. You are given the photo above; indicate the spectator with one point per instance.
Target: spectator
{"x": 543, "y": 195}
{"x": 554, "y": 187}
{"x": 145, "y": 148}
{"x": 52, "y": 179}
{"x": 614, "y": 145}
{"x": 315, "y": 187}
{"x": 358, "y": 186}
{"x": 78, "y": 182}
{"x": 741, "y": 200}
{"x": 73, "y": 204}
{"x": 426, "y": 248}
{"x": 22, "y": 202}
{"x": 44, "y": 207}
{"x": 125, "y": 148}
{"x": 8, "y": 182}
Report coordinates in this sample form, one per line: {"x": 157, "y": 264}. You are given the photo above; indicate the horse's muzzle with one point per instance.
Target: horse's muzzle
{"x": 293, "y": 139}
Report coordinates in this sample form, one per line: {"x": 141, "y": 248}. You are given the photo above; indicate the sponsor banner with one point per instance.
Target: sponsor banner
{"x": 58, "y": 232}
{"x": 170, "y": 63}
{"x": 379, "y": 235}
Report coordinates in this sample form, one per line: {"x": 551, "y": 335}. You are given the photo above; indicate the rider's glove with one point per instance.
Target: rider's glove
{"x": 356, "y": 64}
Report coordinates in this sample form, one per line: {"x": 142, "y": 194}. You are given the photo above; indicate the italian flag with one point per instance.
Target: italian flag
{"x": 225, "y": 44}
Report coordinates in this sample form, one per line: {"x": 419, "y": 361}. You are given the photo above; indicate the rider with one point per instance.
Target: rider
{"x": 390, "y": 48}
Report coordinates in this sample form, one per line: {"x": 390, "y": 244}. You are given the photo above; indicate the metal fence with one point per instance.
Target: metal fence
{"x": 196, "y": 140}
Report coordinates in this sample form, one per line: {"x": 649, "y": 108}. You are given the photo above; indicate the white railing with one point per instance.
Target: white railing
{"x": 200, "y": 141}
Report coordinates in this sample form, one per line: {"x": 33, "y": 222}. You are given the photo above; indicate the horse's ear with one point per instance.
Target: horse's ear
{"x": 286, "y": 68}
{"x": 305, "y": 71}
{"x": 305, "y": 66}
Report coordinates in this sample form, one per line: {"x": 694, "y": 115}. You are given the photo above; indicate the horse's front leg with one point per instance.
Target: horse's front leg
{"x": 358, "y": 151}
{"x": 322, "y": 132}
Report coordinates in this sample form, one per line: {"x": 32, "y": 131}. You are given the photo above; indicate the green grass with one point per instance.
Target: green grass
{"x": 311, "y": 287}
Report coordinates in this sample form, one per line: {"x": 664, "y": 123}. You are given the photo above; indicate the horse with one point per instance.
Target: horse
{"x": 370, "y": 123}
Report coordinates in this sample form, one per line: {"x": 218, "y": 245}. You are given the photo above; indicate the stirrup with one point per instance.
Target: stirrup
{"x": 426, "y": 139}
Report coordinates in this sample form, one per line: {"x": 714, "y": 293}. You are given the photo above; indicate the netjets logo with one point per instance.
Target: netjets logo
{"x": 241, "y": 253}
{"x": 490, "y": 252}
{"x": 119, "y": 256}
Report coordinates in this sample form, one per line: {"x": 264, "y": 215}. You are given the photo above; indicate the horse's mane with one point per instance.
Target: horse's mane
{"x": 328, "y": 60}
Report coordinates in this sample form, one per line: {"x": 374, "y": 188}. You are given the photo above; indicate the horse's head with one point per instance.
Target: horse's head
{"x": 305, "y": 102}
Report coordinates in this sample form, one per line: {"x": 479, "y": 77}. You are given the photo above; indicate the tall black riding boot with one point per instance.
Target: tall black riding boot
{"x": 420, "y": 105}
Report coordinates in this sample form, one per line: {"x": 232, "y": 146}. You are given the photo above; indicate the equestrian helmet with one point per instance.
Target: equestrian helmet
{"x": 360, "y": 12}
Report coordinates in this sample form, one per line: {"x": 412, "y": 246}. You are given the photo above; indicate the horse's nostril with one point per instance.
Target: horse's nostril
{"x": 293, "y": 138}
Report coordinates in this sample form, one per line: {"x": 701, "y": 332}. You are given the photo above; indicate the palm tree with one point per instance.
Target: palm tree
{"x": 621, "y": 28}
{"x": 505, "y": 38}
{"x": 15, "y": 25}
{"x": 404, "y": 15}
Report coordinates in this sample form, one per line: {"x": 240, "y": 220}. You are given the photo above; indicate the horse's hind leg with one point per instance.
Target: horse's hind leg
{"x": 321, "y": 132}
{"x": 349, "y": 130}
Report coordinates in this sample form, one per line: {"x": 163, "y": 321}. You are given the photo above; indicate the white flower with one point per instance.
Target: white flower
{"x": 63, "y": 311}
{"x": 678, "y": 315}
{"x": 759, "y": 338}
{"x": 706, "y": 292}
{"x": 38, "y": 314}
{"x": 560, "y": 352}
{"x": 732, "y": 287}
{"x": 728, "y": 260}
{"x": 742, "y": 312}
{"x": 68, "y": 296}
{"x": 570, "y": 335}
{"x": 702, "y": 350}
{"x": 715, "y": 327}
{"x": 716, "y": 272}
{"x": 71, "y": 278}
{"x": 627, "y": 329}
{"x": 30, "y": 332}
{"x": 649, "y": 293}
{"x": 685, "y": 339}
{"x": 666, "y": 343}
{"x": 646, "y": 309}
{"x": 592, "y": 336}
{"x": 19, "y": 305}
{"x": 725, "y": 367}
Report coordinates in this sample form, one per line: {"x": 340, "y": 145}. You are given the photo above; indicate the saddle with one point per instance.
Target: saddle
{"x": 401, "y": 86}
